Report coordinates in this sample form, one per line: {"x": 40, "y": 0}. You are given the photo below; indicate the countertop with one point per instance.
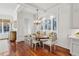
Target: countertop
{"x": 73, "y": 37}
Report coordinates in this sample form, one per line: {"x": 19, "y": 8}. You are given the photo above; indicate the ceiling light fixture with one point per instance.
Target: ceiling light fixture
{"x": 37, "y": 18}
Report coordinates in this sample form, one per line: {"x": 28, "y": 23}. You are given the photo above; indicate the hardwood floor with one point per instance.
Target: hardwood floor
{"x": 7, "y": 48}
{"x": 23, "y": 49}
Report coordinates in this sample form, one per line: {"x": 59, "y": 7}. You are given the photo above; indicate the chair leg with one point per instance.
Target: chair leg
{"x": 50, "y": 48}
{"x": 39, "y": 44}
{"x": 28, "y": 42}
{"x": 43, "y": 46}
{"x": 35, "y": 46}
{"x": 32, "y": 45}
{"x": 54, "y": 48}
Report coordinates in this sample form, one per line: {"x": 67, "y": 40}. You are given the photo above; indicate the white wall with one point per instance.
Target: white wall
{"x": 64, "y": 25}
{"x": 24, "y": 25}
{"x": 63, "y": 14}
{"x": 5, "y": 14}
{"x": 75, "y": 11}
{"x": 20, "y": 26}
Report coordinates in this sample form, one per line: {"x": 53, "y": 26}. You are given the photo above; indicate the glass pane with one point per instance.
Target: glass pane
{"x": 41, "y": 27}
{"x": 6, "y": 28}
{"x": 54, "y": 23}
{"x": 45, "y": 24}
{"x": 49, "y": 24}
{"x": 0, "y": 28}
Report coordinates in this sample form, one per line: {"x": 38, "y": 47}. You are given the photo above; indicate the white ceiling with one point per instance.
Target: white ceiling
{"x": 44, "y": 5}
{"x": 29, "y": 7}
{"x": 44, "y": 8}
{"x": 10, "y": 6}
{"x": 41, "y": 6}
{"x": 8, "y": 10}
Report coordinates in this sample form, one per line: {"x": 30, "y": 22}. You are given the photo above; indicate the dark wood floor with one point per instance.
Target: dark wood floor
{"x": 23, "y": 49}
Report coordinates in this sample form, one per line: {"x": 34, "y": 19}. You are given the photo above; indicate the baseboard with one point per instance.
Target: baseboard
{"x": 63, "y": 49}
{"x": 59, "y": 47}
{"x": 19, "y": 41}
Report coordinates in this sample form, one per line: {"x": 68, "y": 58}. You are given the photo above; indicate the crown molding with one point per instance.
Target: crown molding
{"x": 30, "y": 6}
{"x": 44, "y": 10}
{"x": 35, "y": 6}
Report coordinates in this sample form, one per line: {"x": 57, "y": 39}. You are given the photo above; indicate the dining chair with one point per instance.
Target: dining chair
{"x": 28, "y": 39}
{"x": 51, "y": 42}
{"x": 35, "y": 42}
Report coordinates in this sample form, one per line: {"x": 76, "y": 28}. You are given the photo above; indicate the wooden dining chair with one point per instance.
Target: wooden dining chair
{"x": 51, "y": 42}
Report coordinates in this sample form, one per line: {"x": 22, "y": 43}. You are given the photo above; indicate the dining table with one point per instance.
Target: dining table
{"x": 42, "y": 39}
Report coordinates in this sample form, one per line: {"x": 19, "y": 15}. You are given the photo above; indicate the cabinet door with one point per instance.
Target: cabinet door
{"x": 75, "y": 49}
{"x": 75, "y": 23}
{"x": 12, "y": 35}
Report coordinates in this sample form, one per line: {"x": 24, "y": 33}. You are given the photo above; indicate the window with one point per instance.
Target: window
{"x": 45, "y": 24}
{"x": 49, "y": 24}
{"x": 54, "y": 23}
{"x": 4, "y": 25}
{"x": 0, "y": 28}
{"x": 6, "y": 28}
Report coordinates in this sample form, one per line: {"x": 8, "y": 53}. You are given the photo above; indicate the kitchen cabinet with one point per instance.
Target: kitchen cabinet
{"x": 74, "y": 44}
{"x": 13, "y": 36}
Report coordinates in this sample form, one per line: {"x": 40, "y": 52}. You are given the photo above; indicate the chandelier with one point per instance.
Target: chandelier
{"x": 37, "y": 19}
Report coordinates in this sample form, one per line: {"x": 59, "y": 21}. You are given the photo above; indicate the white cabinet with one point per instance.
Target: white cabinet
{"x": 75, "y": 16}
{"x": 74, "y": 50}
